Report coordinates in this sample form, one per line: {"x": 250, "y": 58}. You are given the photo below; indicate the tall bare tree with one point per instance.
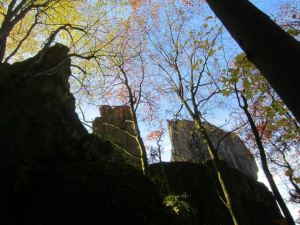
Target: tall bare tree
{"x": 265, "y": 114}
{"x": 127, "y": 80}
{"x": 244, "y": 105}
{"x": 184, "y": 58}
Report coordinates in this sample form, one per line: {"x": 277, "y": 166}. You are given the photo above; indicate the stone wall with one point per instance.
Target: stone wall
{"x": 188, "y": 145}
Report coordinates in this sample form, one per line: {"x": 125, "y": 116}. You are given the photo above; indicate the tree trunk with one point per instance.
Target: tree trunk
{"x": 291, "y": 175}
{"x": 274, "y": 52}
{"x": 144, "y": 161}
{"x": 232, "y": 202}
{"x": 3, "y": 40}
{"x": 138, "y": 137}
{"x": 140, "y": 142}
{"x": 265, "y": 167}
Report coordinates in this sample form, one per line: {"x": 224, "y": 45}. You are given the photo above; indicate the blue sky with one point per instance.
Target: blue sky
{"x": 271, "y": 8}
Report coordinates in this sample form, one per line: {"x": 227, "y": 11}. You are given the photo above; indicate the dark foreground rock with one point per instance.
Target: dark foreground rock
{"x": 38, "y": 119}
{"x": 81, "y": 193}
{"x": 194, "y": 189}
{"x": 53, "y": 172}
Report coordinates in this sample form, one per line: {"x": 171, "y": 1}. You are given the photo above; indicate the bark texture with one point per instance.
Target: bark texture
{"x": 273, "y": 51}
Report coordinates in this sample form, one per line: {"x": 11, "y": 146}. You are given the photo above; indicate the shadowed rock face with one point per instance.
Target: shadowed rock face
{"x": 51, "y": 170}
{"x": 38, "y": 120}
{"x": 188, "y": 145}
{"x": 197, "y": 183}
{"x": 113, "y": 124}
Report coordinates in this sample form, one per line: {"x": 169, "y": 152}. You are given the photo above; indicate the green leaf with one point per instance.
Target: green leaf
{"x": 208, "y": 18}
{"x": 288, "y": 172}
{"x": 297, "y": 180}
{"x": 227, "y": 92}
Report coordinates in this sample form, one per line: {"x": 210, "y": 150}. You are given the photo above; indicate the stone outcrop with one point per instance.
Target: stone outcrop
{"x": 198, "y": 201}
{"x": 38, "y": 122}
{"x": 53, "y": 172}
{"x": 189, "y": 146}
{"x": 113, "y": 125}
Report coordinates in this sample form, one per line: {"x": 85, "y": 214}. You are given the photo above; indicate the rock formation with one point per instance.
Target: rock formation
{"x": 35, "y": 103}
{"x": 113, "y": 125}
{"x": 198, "y": 201}
{"x": 188, "y": 145}
{"x": 53, "y": 172}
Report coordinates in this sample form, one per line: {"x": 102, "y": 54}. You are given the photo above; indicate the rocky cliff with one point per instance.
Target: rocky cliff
{"x": 188, "y": 145}
{"x": 53, "y": 172}
{"x": 113, "y": 125}
{"x": 38, "y": 121}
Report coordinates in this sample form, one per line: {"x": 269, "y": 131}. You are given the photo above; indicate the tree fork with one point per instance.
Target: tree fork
{"x": 273, "y": 51}
{"x": 139, "y": 140}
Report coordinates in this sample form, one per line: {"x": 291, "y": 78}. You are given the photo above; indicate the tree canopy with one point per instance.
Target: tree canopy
{"x": 174, "y": 59}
